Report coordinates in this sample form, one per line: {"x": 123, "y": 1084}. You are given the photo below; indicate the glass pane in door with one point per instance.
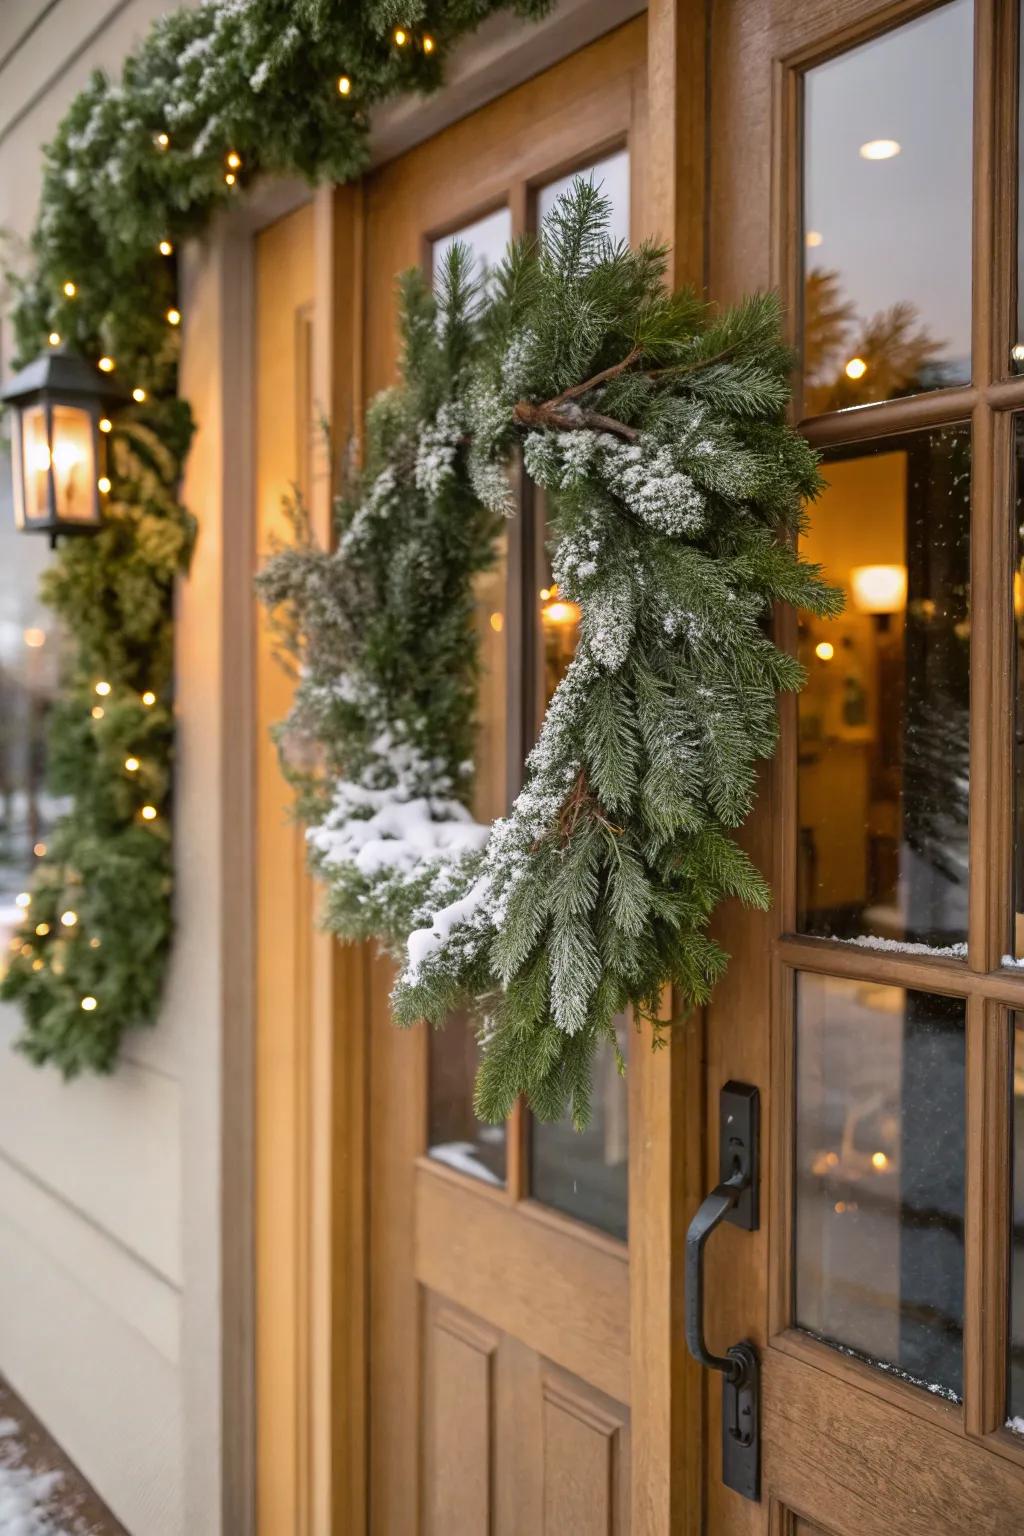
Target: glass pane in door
{"x": 887, "y": 214}
{"x": 879, "y": 1176}
{"x": 884, "y": 730}
{"x": 454, "y": 1135}
{"x": 583, "y": 1175}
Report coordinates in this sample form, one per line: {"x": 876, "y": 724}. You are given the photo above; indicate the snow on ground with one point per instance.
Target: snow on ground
{"x": 28, "y": 1497}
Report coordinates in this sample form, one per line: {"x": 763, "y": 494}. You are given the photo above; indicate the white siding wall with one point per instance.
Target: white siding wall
{"x": 109, "y": 1204}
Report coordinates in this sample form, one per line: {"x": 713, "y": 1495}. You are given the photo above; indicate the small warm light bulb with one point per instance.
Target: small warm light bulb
{"x": 344, "y": 86}
{"x": 69, "y": 918}
{"x": 149, "y": 698}
{"x": 824, "y": 650}
{"x": 37, "y": 964}
{"x": 103, "y": 689}
{"x": 89, "y": 1004}
{"x": 173, "y": 317}
{"x": 148, "y": 813}
{"x": 545, "y": 593}
{"x": 400, "y": 36}
{"x": 856, "y": 368}
{"x": 39, "y": 849}
{"x": 131, "y": 764}
{"x": 106, "y": 425}
{"x": 813, "y": 238}
{"x": 1017, "y": 352}
{"x": 165, "y": 248}
{"x": 138, "y": 394}
{"x": 106, "y": 365}
{"x": 54, "y": 338}
{"x": 497, "y": 622}
{"x": 428, "y": 43}
{"x": 42, "y": 929}
{"x": 70, "y": 290}
{"x": 879, "y": 149}
{"x": 34, "y": 638}
{"x": 879, "y": 1161}
{"x": 230, "y": 178}
{"x": 104, "y": 484}
{"x": 234, "y": 160}
{"x": 95, "y": 943}
{"x": 23, "y": 900}
{"x": 162, "y": 141}
{"x": 26, "y": 950}
{"x": 97, "y": 711}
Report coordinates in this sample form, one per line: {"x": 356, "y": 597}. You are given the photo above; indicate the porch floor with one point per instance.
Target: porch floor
{"x": 42, "y": 1492}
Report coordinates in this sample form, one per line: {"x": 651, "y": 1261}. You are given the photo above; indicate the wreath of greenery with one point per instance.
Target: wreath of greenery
{"x": 213, "y": 96}
{"x": 656, "y": 428}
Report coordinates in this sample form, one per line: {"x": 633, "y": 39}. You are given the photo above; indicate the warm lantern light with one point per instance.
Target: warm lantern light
{"x": 344, "y": 86}
{"x": 58, "y": 452}
{"x": 560, "y": 612}
{"x": 824, "y": 650}
{"x": 165, "y": 248}
{"x": 879, "y": 1161}
{"x": 856, "y": 368}
{"x": 173, "y": 317}
{"x": 70, "y": 290}
{"x": 879, "y": 588}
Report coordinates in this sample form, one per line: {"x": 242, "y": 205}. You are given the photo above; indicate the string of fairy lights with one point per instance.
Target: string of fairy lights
{"x": 42, "y": 943}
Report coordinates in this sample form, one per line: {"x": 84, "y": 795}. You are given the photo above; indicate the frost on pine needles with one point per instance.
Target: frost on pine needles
{"x": 674, "y": 488}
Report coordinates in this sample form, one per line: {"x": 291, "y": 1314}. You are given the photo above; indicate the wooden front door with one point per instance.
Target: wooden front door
{"x": 864, "y": 161}
{"x": 514, "y": 1384}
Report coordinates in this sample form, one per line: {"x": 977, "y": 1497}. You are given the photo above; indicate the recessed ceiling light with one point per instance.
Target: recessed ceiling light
{"x": 879, "y": 149}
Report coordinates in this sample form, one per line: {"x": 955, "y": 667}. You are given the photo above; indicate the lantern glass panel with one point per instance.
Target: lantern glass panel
{"x": 74, "y": 464}
{"x": 35, "y": 455}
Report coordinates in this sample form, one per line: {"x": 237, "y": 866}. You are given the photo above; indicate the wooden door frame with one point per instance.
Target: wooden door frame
{"x": 329, "y": 1398}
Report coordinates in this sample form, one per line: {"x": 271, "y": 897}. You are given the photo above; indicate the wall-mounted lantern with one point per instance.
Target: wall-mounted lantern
{"x": 59, "y": 433}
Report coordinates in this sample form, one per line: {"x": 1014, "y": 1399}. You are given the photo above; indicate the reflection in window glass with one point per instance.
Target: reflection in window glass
{"x": 486, "y": 238}
{"x": 883, "y": 745}
{"x": 611, "y": 176}
{"x": 887, "y": 214}
{"x": 454, "y": 1135}
{"x": 1018, "y": 612}
{"x": 585, "y": 1174}
{"x": 29, "y": 671}
{"x": 879, "y": 1193}
{"x": 1015, "y": 1364}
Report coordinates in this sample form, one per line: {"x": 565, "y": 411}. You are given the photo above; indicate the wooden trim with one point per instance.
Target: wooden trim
{"x": 525, "y": 1279}
{"x": 988, "y": 1204}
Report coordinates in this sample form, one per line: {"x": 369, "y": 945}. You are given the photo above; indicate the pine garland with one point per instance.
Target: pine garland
{"x": 212, "y": 97}
{"x": 676, "y": 491}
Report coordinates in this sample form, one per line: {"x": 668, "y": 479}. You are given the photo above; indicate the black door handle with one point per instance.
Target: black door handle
{"x": 734, "y": 1199}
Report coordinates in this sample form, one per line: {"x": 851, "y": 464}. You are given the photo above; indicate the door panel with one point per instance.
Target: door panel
{"x": 499, "y": 1327}
{"x": 871, "y": 1006}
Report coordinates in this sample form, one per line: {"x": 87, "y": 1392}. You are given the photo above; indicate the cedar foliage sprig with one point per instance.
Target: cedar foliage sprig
{"x": 257, "y": 78}
{"x": 656, "y": 427}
